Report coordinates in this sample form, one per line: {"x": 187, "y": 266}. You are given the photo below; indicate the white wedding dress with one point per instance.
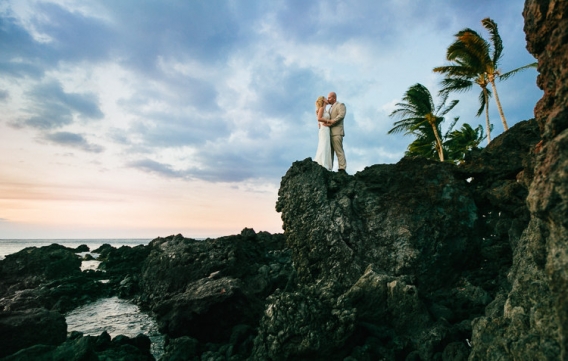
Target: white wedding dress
{"x": 323, "y": 153}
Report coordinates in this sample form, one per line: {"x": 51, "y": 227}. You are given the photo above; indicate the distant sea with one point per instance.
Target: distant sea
{"x": 9, "y": 246}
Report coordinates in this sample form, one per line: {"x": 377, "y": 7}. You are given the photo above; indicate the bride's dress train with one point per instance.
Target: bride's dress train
{"x": 323, "y": 153}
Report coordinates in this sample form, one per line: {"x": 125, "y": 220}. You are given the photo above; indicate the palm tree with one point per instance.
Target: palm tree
{"x": 420, "y": 116}
{"x": 476, "y": 61}
{"x": 458, "y": 142}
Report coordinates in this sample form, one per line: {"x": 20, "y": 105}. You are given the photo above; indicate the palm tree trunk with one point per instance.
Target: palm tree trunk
{"x": 438, "y": 143}
{"x": 487, "y": 116}
{"x": 499, "y": 107}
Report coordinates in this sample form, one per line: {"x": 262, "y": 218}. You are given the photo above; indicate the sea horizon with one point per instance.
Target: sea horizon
{"x": 13, "y": 245}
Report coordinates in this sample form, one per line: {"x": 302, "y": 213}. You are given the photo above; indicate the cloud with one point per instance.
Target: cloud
{"x": 52, "y": 107}
{"x": 4, "y": 95}
{"x": 224, "y": 91}
{"x": 151, "y": 166}
{"x": 74, "y": 141}
{"x": 21, "y": 55}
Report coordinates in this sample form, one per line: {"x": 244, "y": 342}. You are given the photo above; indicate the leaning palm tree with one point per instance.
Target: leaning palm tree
{"x": 417, "y": 111}
{"x": 475, "y": 61}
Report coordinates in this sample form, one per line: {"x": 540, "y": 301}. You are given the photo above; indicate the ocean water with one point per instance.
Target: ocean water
{"x": 117, "y": 317}
{"x": 113, "y": 315}
{"x": 9, "y": 246}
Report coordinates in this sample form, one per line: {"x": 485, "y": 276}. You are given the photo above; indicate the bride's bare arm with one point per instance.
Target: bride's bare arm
{"x": 319, "y": 116}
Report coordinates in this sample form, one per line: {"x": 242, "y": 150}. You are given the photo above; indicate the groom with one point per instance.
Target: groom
{"x": 337, "y": 112}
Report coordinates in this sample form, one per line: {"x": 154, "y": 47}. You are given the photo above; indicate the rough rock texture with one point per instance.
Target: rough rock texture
{"x": 32, "y": 266}
{"x": 531, "y": 322}
{"x": 89, "y": 348}
{"x": 413, "y": 217}
{"x": 21, "y": 329}
{"x": 548, "y": 197}
{"x": 122, "y": 267}
{"x": 397, "y": 261}
{"x": 213, "y": 291}
{"x": 47, "y": 277}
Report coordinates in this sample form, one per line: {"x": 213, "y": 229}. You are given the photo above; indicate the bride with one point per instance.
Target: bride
{"x": 323, "y": 153}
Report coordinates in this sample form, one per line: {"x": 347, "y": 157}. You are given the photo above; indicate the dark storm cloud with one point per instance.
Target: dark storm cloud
{"x": 73, "y": 140}
{"x": 52, "y": 107}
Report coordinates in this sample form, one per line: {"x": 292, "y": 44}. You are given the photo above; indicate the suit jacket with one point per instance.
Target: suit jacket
{"x": 337, "y": 115}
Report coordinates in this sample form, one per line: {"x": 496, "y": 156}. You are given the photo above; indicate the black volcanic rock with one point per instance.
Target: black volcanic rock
{"x": 86, "y": 348}
{"x": 22, "y": 329}
{"x": 204, "y": 289}
{"x": 411, "y": 218}
{"x": 32, "y": 266}
{"x": 396, "y": 261}
{"x": 122, "y": 266}
{"x": 47, "y": 277}
{"x": 529, "y": 321}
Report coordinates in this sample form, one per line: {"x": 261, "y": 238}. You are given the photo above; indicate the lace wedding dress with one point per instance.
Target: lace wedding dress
{"x": 323, "y": 153}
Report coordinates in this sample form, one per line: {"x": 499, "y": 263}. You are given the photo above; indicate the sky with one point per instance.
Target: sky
{"x": 140, "y": 119}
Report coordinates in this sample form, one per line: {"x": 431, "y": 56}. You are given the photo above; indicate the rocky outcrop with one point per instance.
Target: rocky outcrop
{"x": 32, "y": 266}
{"x": 547, "y": 40}
{"x": 22, "y": 329}
{"x": 47, "y": 277}
{"x": 531, "y": 321}
{"x": 80, "y": 348}
{"x": 213, "y": 291}
{"x": 396, "y": 261}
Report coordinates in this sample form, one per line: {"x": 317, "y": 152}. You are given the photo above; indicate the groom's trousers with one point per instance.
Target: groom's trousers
{"x": 337, "y": 147}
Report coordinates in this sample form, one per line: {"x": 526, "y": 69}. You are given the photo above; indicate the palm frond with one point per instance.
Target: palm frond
{"x": 455, "y": 85}
{"x": 482, "y": 101}
{"x": 471, "y": 48}
{"x": 491, "y": 27}
{"x": 509, "y": 74}
{"x": 443, "y": 99}
{"x": 407, "y": 125}
{"x": 452, "y": 125}
{"x": 458, "y": 142}
{"x": 451, "y": 106}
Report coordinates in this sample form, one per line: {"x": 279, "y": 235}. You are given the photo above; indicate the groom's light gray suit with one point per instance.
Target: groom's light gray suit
{"x": 337, "y": 112}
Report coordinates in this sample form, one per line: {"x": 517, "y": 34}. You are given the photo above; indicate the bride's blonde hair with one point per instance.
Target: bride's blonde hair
{"x": 320, "y": 102}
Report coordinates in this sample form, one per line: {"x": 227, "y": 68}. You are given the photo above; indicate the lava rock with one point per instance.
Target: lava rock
{"x": 23, "y": 329}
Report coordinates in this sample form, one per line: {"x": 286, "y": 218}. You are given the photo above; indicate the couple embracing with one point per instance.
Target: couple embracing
{"x": 330, "y": 139}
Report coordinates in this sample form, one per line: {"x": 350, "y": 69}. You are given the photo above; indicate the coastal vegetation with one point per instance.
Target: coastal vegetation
{"x": 421, "y": 118}
{"x": 473, "y": 60}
